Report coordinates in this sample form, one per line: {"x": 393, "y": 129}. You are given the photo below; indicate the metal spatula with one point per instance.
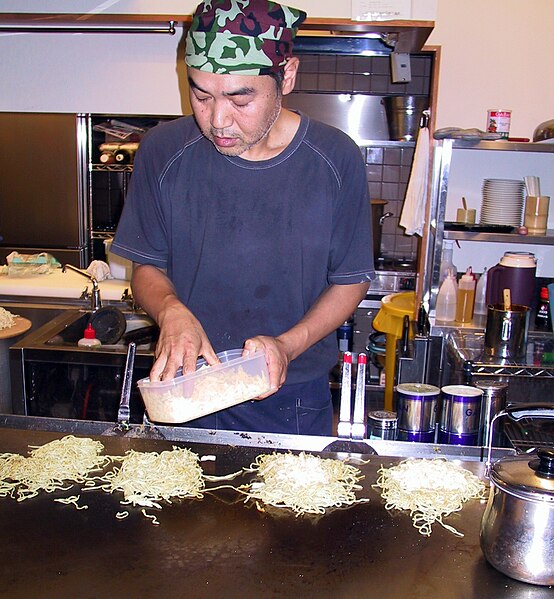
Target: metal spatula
{"x": 124, "y": 411}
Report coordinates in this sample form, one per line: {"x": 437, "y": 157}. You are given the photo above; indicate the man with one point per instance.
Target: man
{"x": 249, "y": 224}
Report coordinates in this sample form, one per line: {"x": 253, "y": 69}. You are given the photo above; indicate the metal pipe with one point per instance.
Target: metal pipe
{"x": 85, "y": 29}
{"x": 95, "y": 300}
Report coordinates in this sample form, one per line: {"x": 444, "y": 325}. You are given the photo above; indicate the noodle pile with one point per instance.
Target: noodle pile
{"x": 7, "y": 319}
{"x": 146, "y": 478}
{"x": 50, "y": 467}
{"x": 430, "y": 489}
{"x": 305, "y": 483}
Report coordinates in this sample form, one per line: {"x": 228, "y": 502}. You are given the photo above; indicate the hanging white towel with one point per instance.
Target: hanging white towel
{"x": 413, "y": 210}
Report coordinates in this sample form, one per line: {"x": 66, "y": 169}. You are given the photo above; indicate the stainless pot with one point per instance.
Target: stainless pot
{"x": 517, "y": 528}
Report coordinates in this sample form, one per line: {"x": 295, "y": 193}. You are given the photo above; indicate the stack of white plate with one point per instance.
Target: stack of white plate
{"x": 502, "y": 202}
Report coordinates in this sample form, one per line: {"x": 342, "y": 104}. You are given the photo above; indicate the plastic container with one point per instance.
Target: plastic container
{"x": 447, "y": 265}
{"x": 208, "y": 390}
{"x": 466, "y": 297}
{"x": 89, "y": 338}
{"x": 445, "y": 310}
{"x": 480, "y": 307}
{"x": 120, "y": 268}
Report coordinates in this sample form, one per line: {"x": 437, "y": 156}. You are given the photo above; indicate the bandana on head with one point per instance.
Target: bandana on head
{"x": 241, "y": 37}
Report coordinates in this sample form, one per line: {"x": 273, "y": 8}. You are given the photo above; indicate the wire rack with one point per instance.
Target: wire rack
{"x": 528, "y": 434}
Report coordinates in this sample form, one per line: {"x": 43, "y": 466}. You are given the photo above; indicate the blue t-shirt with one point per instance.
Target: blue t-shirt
{"x": 249, "y": 245}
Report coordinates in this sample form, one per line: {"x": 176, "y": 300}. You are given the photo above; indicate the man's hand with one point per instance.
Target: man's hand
{"x": 182, "y": 337}
{"x": 276, "y": 358}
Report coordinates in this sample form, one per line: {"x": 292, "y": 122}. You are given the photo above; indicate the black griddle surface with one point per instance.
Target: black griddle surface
{"x": 220, "y": 547}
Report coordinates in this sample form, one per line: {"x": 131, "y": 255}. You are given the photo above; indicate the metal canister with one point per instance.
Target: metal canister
{"x": 493, "y": 402}
{"x": 382, "y": 424}
{"x": 460, "y": 416}
{"x": 416, "y": 404}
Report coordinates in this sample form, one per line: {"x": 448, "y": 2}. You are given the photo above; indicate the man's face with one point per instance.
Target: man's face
{"x": 235, "y": 112}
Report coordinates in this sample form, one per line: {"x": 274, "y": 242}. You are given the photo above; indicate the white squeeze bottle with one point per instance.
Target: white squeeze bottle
{"x": 446, "y": 262}
{"x": 445, "y": 310}
{"x": 89, "y": 338}
{"x": 480, "y": 293}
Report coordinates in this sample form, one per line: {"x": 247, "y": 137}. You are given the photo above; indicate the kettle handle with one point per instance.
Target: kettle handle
{"x": 528, "y": 410}
{"x": 517, "y": 412}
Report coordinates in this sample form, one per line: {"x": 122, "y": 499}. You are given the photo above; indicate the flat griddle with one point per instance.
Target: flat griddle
{"x": 221, "y": 547}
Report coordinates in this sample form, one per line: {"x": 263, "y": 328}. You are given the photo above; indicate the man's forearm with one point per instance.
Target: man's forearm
{"x": 334, "y": 306}
{"x": 152, "y": 290}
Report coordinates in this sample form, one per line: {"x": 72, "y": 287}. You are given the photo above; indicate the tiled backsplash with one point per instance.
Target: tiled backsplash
{"x": 388, "y": 163}
{"x": 361, "y": 74}
{"x": 388, "y": 170}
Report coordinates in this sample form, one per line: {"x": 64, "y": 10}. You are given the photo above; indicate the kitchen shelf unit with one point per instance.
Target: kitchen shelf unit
{"x": 444, "y": 153}
{"x": 510, "y": 238}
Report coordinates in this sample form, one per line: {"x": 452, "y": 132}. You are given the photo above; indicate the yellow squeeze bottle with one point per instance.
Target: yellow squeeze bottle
{"x": 466, "y": 297}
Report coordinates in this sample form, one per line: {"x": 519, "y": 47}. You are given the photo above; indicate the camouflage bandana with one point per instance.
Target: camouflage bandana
{"x": 241, "y": 37}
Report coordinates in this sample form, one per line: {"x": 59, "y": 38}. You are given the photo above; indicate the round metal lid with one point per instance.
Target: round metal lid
{"x": 527, "y": 476}
{"x": 382, "y": 418}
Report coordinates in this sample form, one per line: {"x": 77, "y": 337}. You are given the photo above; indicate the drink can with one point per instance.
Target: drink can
{"x": 498, "y": 121}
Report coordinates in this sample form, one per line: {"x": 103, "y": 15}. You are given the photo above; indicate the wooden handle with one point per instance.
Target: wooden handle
{"x": 507, "y": 299}
{"x": 464, "y": 203}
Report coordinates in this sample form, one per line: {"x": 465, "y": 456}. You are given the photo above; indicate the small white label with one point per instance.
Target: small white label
{"x": 381, "y": 10}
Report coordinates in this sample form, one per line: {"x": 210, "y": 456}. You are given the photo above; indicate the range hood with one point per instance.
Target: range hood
{"x": 401, "y": 36}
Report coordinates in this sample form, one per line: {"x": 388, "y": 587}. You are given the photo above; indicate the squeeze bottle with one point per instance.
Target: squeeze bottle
{"x": 446, "y": 262}
{"x": 89, "y": 338}
{"x": 480, "y": 294}
{"x": 466, "y": 297}
{"x": 445, "y": 310}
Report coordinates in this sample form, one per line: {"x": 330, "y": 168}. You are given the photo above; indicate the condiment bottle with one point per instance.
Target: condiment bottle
{"x": 446, "y": 262}
{"x": 542, "y": 319}
{"x": 445, "y": 310}
{"x": 89, "y": 338}
{"x": 480, "y": 295}
{"x": 466, "y": 297}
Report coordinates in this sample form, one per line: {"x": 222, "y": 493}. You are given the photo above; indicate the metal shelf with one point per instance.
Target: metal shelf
{"x": 547, "y": 239}
{"x": 504, "y": 146}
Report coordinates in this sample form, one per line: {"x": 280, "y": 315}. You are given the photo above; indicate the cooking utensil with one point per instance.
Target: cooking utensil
{"x": 346, "y": 429}
{"x": 507, "y": 300}
{"x": 517, "y": 527}
{"x": 358, "y": 425}
{"x": 124, "y": 412}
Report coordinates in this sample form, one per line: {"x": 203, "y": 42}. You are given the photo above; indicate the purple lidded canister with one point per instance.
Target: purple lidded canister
{"x": 416, "y": 406}
{"x": 461, "y": 413}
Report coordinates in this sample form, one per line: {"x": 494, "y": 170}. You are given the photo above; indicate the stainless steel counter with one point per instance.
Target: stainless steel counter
{"x": 221, "y": 547}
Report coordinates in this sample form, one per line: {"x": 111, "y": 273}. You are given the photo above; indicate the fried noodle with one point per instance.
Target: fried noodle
{"x": 305, "y": 483}
{"x": 429, "y": 489}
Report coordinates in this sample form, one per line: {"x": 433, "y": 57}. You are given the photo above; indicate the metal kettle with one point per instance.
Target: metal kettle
{"x": 517, "y": 528}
